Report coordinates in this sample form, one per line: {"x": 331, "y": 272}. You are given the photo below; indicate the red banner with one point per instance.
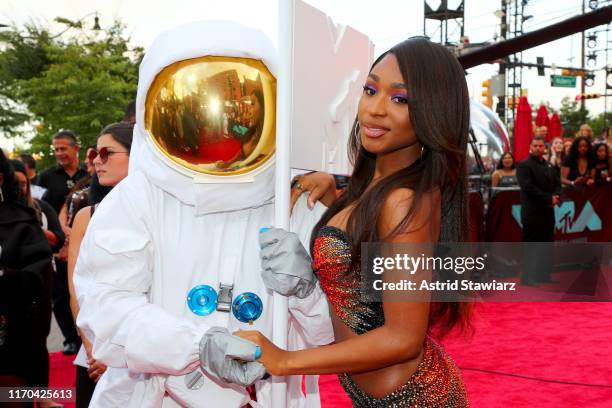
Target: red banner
{"x": 581, "y": 214}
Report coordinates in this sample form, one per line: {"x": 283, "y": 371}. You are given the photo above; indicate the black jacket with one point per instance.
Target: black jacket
{"x": 25, "y": 289}
{"x": 58, "y": 184}
{"x": 538, "y": 183}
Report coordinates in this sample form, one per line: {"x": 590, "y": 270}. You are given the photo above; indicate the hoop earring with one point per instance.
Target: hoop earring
{"x": 422, "y": 150}
{"x": 1, "y": 196}
{"x": 356, "y": 130}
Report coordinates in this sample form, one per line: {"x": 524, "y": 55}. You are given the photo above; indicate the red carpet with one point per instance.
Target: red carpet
{"x": 564, "y": 349}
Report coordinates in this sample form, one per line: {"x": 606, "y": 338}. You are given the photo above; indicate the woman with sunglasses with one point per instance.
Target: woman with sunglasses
{"x": 110, "y": 160}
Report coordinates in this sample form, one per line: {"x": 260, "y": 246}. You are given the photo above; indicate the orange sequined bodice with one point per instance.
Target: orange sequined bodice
{"x": 332, "y": 265}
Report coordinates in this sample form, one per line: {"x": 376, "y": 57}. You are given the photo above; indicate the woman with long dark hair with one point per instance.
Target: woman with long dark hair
{"x": 505, "y": 173}
{"x": 25, "y": 289}
{"x": 579, "y": 167}
{"x": 408, "y": 147}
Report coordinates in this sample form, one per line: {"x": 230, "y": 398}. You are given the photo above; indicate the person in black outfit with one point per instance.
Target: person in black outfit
{"x": 45, "y": 214}
{"x": 540, "y": 189}
{"x": 578, "y": 168}
{"x": 602, "y": 164}
{"x": 25, "y": 289}
{"x": 58, "y": 180}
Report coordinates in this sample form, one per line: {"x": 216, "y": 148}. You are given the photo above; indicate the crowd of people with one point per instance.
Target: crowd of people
{"x": 579, "y": 160}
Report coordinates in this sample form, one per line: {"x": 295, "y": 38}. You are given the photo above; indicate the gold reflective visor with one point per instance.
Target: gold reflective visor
{"x": 214, "y": 115}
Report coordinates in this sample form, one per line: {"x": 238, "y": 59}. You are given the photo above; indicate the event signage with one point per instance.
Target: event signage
{"x": 563, "y": 81}
{"x": 581, "y": 214}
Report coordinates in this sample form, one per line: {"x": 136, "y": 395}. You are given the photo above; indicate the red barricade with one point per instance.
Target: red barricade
{"x": 581, "y": 214}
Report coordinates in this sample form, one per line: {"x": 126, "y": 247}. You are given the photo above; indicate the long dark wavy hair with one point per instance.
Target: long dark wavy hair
{"x": 571, "y": 160}
{"x": 439, "y": 113}
{"x": 500, "y": 163}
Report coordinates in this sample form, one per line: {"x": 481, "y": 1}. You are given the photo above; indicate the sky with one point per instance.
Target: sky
{"x": 386, "y": 22}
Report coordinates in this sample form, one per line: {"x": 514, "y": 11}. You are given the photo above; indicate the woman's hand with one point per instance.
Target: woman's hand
{"x": 590, "y": 182}
{"x": 272, "y": 357}
{"x": 95, "y": 370}
{"x": 67, "y": 231}
{"x": 63, "y": 252}
{"x": 322, "y": 187}
{"x": 51, "y": 237}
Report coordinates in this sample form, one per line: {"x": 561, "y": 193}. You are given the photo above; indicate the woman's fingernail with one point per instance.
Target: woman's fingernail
{"x": 264, "y": 229}
{"x": 257, "y": 352}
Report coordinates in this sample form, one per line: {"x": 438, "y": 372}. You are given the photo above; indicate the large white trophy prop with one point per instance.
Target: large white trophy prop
{"x": 322, "y": 69}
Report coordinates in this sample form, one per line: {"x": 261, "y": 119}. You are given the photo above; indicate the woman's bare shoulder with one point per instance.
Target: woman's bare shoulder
{"x": 82, "y": 218}
{"x": 400, "y": 200}
{"x": 399, "y": 204}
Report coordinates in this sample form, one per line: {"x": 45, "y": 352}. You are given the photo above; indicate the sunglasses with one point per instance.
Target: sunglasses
{"x": 104, "y": 153}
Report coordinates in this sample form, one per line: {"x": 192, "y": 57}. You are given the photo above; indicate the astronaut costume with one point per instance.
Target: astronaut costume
{"x": 200, "y": 187}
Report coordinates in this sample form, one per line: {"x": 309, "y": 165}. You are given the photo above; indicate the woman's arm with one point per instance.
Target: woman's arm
{"x": 495, "y": 179}
{"x": 63, "y": 219}
{"x": 564, "y": 173}
{"x": 322, "y": 187}
{"x": 79, "y": 226}
{"x": 399, "y": 340}
{"x": 81, "y": 220}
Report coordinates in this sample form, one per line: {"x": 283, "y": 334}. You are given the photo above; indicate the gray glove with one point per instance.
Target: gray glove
{"x": 230, "y": 358}
{"x": 286, "y": 265}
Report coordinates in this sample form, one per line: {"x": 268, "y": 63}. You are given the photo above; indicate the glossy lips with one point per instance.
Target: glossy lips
{"x": 373, "y": 131}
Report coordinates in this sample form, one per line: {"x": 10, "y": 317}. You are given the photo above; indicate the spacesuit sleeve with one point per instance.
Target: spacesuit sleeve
{"x": 113, "y": 279}
{"x": 311, "y": 314}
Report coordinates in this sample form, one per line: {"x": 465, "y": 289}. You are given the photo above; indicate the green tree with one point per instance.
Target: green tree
{"x": 598, "y": 125}
{"x": 81, "y": 83}
{"x": 571, "y": 115}
{"x": 23, "y": 58}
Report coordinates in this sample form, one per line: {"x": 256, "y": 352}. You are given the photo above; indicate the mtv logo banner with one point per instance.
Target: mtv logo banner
{"x": 330, "y": 66}
{"x": 580, "y": 215}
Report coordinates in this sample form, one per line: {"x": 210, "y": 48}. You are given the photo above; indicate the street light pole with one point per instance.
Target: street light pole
{"x": 503, "y": 66}
{"x": 77, "y": 23}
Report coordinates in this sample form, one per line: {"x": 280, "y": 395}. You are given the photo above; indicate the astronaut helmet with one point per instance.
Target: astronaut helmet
{"x": 206, "y": 99}
{"x": 205, "y": 116}
{"x": 213, "y": 115}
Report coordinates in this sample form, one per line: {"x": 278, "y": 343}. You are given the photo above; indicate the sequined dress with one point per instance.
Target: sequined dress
{"x": 437, "y": 381}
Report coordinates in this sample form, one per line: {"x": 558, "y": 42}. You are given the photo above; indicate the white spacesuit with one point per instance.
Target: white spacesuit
{"x": 188, "y": 217}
